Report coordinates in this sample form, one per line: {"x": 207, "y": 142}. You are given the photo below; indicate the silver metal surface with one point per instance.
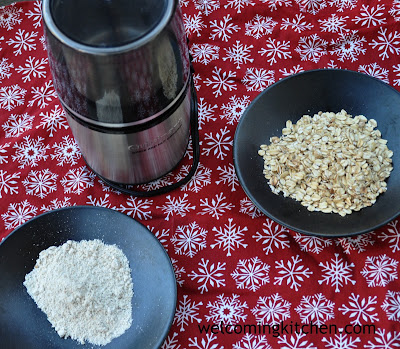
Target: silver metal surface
{"x": 121, "y": 70}
{"x": 117, "y": 61}
{"x": 10, "y": 2}
{"x": 138, "y": 157}
{"x": 135, "y": 123}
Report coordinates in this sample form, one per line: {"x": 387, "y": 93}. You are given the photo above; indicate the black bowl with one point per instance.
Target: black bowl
{"x": 308, "y": 93}
{"x": 24, "y": 325}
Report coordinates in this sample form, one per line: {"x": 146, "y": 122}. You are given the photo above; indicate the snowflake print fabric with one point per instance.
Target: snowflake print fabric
{"x": 243, "y": 280}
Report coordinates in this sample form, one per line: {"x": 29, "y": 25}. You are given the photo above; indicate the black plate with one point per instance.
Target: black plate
{"x": 23, "y": 325}
{"x": 308, "y": 93}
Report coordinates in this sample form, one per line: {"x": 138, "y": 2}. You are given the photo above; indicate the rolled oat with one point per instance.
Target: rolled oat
{"x": 333, "y": 163}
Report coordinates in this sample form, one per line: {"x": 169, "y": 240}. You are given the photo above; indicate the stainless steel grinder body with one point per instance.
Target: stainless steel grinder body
{"x": 121, "y": 70}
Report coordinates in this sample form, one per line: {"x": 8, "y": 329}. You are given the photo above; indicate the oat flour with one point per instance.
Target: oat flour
{"x": 85, "y": 289}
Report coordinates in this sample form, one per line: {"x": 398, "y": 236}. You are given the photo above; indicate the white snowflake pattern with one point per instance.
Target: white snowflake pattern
{"x": 341, "y": 341}
{"x": 200, "y": 179}
{"x": 179, "y": 206}
{"x": 227, "y": 310}
{"x": 290, "y": 71}
{"x": 271, "y": 310}
{"x": 380, "y": 270}
{"x": 206, "y": 112}
{"x": 11, "y": 96}
{"x": 43, "y": 95}
{"x": 30, "y": 152}
{"x": 204, "y": 53}
{"x": 315, "y": 309}
{"x": 56, "y": 204}
{"x": 396, "y": 70}
{"x": 205, "y": 343}
{"x": 392, "y": 235}
{"x": 8, "y": 182}
{"x": 3, "y": 152}
{"x": 251, "y": 274}
{"x": 216, "y": 207}
{"x": 107, "y": 188}
{"x": 257, "y": 79}
{"x": 274, "y": 4}
{"x": 239, "y": 54}
{"x": 193, "y": 24}
{"x": 189, "y": 239}
{"x": 312, "y": 244}
{"x": 311, "y": 6}
{"x": 221, "y": 81}
{"x": 36, "y": 14}
{"x": 218, "y": 145}
{"x": 16, "y": 125}
{"x": 229, "y": 237}
{"x": 337, "y": 272}
{"x": 66, "y": 152}
{"x": 311, "y": 48}
{"x": 384, "y": 340}
{"x": 341, "y": 5}
{"x": 35, "y": 68}
{"x": 101, "y": 202}
{"x": 239, "y": 4}
{"x": 40, "y": 183}
{"x": 158, "y": 183}
{"x": 77, "y": 180}
{"x": 251, "y": 341}
{"x": 276, "y": 49}
{"x": 208, "y": 275}
{"x": 247, "y": 207}
{"x": 370, "y": 16}
{"x": 358, "y": 243}
{"x": 395, "y": 10}
{"x": 334, "y": 24}
{"x": 376, "y": 71}
{"x": 187, "y": 311}
{"x": 272, "y": 236}
{"x": 23, "y": 41}
{"x": 349, "y": 46}
{"x": 161, "y": 235}
{"x": 53, "y": 120}
{"x": 387, "y": 43}
{"x": 295, "y": 341}
{"x": 10, "y": 16}
{"x": 332, "y": 65}
{"x": 171, "y": 342}
{"x": 292, "y": 272}
{"x": 260, "y": 26}
{"x": 228, "y": 176}
{"x": 360, "y": 310}
{"x": 137, "y": 208}
{"x": 179, "y": 271}
{"x": 223, "y": 29}
{"x": 18, "y": 213}
{"x": 391, "y": 305}
{"x": 5, "y": 68}
{"x": 206, "y": 6}
{"x": 297, "y": 24}
{"x": 233, "y": 110}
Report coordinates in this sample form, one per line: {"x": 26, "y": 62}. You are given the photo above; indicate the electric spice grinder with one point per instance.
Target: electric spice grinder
{"x": 121, "y": 69}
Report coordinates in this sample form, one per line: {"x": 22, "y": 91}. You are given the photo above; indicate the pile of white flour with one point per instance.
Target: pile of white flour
{"x": 85, "y": 289}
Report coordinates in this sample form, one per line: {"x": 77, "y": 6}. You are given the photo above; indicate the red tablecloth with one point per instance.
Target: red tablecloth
{"x": 235, "y": 268}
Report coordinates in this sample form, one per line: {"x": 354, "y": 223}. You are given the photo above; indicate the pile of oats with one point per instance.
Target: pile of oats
{"x": 331, "y": 162}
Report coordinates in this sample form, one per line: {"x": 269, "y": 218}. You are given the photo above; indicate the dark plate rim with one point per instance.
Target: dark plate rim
{"x": 238, "y": 171}
{"x": 101, "y": 209}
